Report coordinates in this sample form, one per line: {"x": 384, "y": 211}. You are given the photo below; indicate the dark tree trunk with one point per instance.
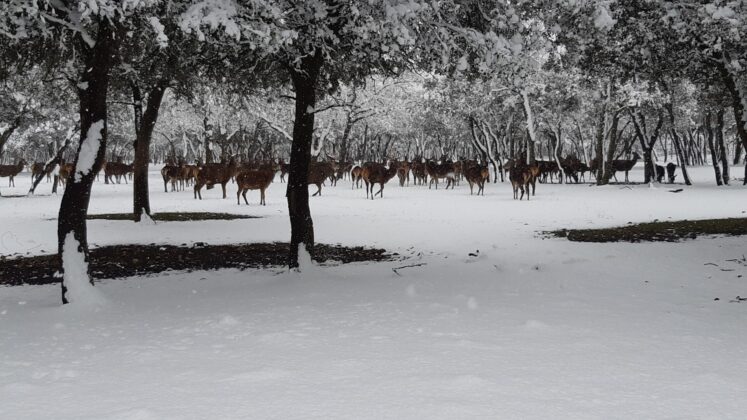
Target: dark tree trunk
{"x": 678, "y": 146}
{"x": 737, "y": 152}
{"x": 599, "y": 148}
{"x": 720, "y": 140}
{"x": 611, "y": 150}
{"x": 709, "y": 138}
{"x": 75, "y": 200}
{"x": 345, "y": 140}
{"x": 56, "y": 160}
{"x": 297, "y": 193}
{"x": 148, "y": 121}
{"x": 7, "y": 133}
{"x": 737, "y": 106}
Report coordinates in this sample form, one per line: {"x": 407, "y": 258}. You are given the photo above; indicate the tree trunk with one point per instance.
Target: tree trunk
{"x": 599, "y": 147}
{"x": 678, "y": 146}
{"x": 148, "y": 121}
{"x": 5, "y": 135}
{"x": 611, "y": 150}
{"x": 737, "y": 106}
{"x": 714, "y": 159}
{"x": 721, "y": 145}
{"x": 74, "y": 205}
{"x": 297, "y": 193}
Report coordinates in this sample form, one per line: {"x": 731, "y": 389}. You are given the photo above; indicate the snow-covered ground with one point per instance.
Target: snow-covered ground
{"x": 528, "y": 328}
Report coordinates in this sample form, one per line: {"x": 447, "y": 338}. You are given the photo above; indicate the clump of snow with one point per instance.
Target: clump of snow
{"x": 88, "y": 150}
{"x": 161, "y": 38}
{"x": 602, "y": 18}
{"x": 80, "y": 291}
{"x": 305, "y": 264}
{"x": 146, "y": 220}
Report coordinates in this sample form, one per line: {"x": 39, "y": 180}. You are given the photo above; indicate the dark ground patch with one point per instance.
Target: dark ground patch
{"x": 130, "y": 260}
{"x": 173, "y": 216}
{"x": 657, "y": 231}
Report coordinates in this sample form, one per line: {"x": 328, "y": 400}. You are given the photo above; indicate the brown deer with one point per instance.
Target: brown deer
{"x": 403, "y": 173}
{"x": 477, "y": 175}
{"x": 318, "y": 173}
{"x": 521, "y": 177}
{"x": 118, "y": 170}
{"x": 624, "y": 165}
{"x": 66, "y": 169}
{"x": 376, "y": 173}
{"x": 419, "y": 174}
{"x": 284, "y": 167}
{"x": 356, "y": 176}
{"x": 255, "y": 179}
{"x": 170, "y": 173}
{"x": 37, "y": 169}
{"x": 438, "y": 171}
{"x": 213, "y": 173}
{"x": 11, "y": 171}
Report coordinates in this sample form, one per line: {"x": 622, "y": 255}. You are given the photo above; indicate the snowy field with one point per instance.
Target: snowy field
{"x": 529, "y": 328}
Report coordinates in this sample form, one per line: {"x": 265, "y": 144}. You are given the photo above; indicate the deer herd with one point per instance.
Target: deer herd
{"x": 250, "y": 176}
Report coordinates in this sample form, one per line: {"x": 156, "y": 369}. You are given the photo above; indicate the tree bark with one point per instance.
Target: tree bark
{"x": 720, "y": 141}
{"x": 611, "y": 150}
{"x": 714, "y": 159}
{"x": 737, "y": 106}
{"x": 141, "y": 200}
{"x": 92, "y": 93}
{"x": 678, "y": 146}
{"x": 599, "y": 146}
{"x": 5, "y": 135}
{"x": 297, "y": 193}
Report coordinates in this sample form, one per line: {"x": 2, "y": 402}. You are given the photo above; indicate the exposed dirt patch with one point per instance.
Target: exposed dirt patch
{"x": 130, "y": 260}
{"x": 657, "y": 231}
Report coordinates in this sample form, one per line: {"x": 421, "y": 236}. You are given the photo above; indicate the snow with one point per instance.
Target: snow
{"x": 80, "y": 292}
{"x": 88, "y": 150}
{"x": 602, "y": 18}
{"x": 158, "y": 28}
{"x": 527, "y": 327}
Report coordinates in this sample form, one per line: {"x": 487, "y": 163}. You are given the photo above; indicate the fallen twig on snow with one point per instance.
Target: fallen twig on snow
{"x": 406, "y": 266}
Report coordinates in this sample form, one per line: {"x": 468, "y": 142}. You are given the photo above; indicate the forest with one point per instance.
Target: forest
{"x": 577, "y": 120}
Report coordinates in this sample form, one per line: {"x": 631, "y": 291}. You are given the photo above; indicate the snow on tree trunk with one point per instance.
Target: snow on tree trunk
{"x": 78, "y": 286}
{"x": 530, "y": 123}
{"x": 89, "y": 149}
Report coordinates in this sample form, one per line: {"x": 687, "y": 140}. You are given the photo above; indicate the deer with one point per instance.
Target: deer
{"x": 37, "y": 168}
{"x": 520, "y": 177}
{"x": 284, "y": 167}
{"x": 318, "y": 172}
{"x": 620, "y": 165}
{"x": 255, "y": 179}
{"x": 356, "y": 175}
{"x": 213, "y": 173}
{"x": 419, "y": 174}
{"x": 118, "y": 170}
{"x": 671, "y": 167}
{"x": 376, "y": 173}
{"x": 437, "y": 171}
{"x": 11, "y": 171}
{"x": 66, "y": 169}
{"x": 170, "y": 173}
{"x": 403, "y": 173}
{"x": 477, "y": 175}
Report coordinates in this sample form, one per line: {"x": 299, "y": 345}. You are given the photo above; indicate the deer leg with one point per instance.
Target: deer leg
{"x": 262, "y": 196}
{"x": 243, "y": 194}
